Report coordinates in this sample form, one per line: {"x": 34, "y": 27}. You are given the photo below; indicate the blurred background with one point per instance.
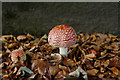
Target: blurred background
{"x": 40, "y": 17}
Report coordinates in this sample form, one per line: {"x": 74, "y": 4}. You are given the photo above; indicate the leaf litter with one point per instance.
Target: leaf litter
{"x": 97, "y": 54}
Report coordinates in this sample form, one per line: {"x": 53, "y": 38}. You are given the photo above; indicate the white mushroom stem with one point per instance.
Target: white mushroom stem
{"x": 63, "y": 51}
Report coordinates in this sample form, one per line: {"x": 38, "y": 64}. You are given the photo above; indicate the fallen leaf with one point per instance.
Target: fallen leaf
{"x": 114, "y": 70}
{"x": 92, "y": 72}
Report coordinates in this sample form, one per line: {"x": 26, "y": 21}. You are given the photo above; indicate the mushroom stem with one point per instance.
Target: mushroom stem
{"x": 63, "y": 51}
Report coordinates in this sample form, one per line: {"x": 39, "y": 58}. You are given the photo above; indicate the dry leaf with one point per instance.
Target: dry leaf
{"x": 68, "y": 62}
{"x": 97, "y": 63}
{"x": 60, "y": 75}
{"x": 97, "y": 53}
{"x": 114, "y": 70}
{"x": 53, "y": 70}
{"x": 57, "y": 58}
{"x": 92, "y": 72}
{"x": 12, "y": 45}
{"x": 21, "y": 37}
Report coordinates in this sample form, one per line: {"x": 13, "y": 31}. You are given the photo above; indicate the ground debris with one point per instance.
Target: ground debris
{"x": 97, "y": 54}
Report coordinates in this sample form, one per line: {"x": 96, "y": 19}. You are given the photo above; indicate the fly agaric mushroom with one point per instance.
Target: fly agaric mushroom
{"x": 62, "y": 36}
{"x": 18, "y": 53}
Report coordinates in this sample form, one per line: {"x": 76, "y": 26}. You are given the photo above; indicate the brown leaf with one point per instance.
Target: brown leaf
{"x": 106, "y": 63}
{"x": 57, "y": 58}
{"x": 53, "y": 70}
{"x": 81, "y": 35}
{"x": 90, "y": 56}
{"x": 92, "y": 72}
{"x": 114, "y": 62}
{"x": 60, "y": 74}
{"x": 68, "y": 62}
{"x": 101, "y": 36}
{"x": 32, "y": 77}
{"x": 42, "y": 70}
{"x": 8, "y": 51}
{"x": 112, "y": 36}
{"x": 85, "y": 38}
{"x": 89, "y": 64}
{"x": 2, "y": 39}
{"x": 74, "y": 46}
{"x": 38, "y": 63}
{"x": 102, "y": 69}
{"x": 64, "y": 68}
{"x": 35, "y": 41}
{"x": 44, "y": 37}
{"x": 100, "y": 75}
{"x": 21, "y": 37}
{"x": 103, "y": 56}
{"x": 116, "y": 52}
{"x": 107, "y": 74}
{"x": 29, "y": 35}
{"x": 97, "y": 63}
{"x": 15, "y": 70}
{"x": 83, "y": 52}
{"x": 5, "y": 76}
{"x": 103, "y": 53}
{"x": 18, "y": 73}
{"x": 73, "y": 69}
{"x": 93, "y": 37}
{"x": 12, "y": 45}
{"x": 7, "y": 37}
{"x": 35, "y": 56}
{"x": 114, "y": 70}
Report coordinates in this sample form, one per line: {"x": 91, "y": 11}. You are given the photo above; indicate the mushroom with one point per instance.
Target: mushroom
{"x": 62, "y": 36}
{"x": 18, "y": 53}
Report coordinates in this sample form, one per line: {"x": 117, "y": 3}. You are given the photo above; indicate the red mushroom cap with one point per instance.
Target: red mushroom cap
{"x": 18, "y": 53}
{"x": 62, "y": 36}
